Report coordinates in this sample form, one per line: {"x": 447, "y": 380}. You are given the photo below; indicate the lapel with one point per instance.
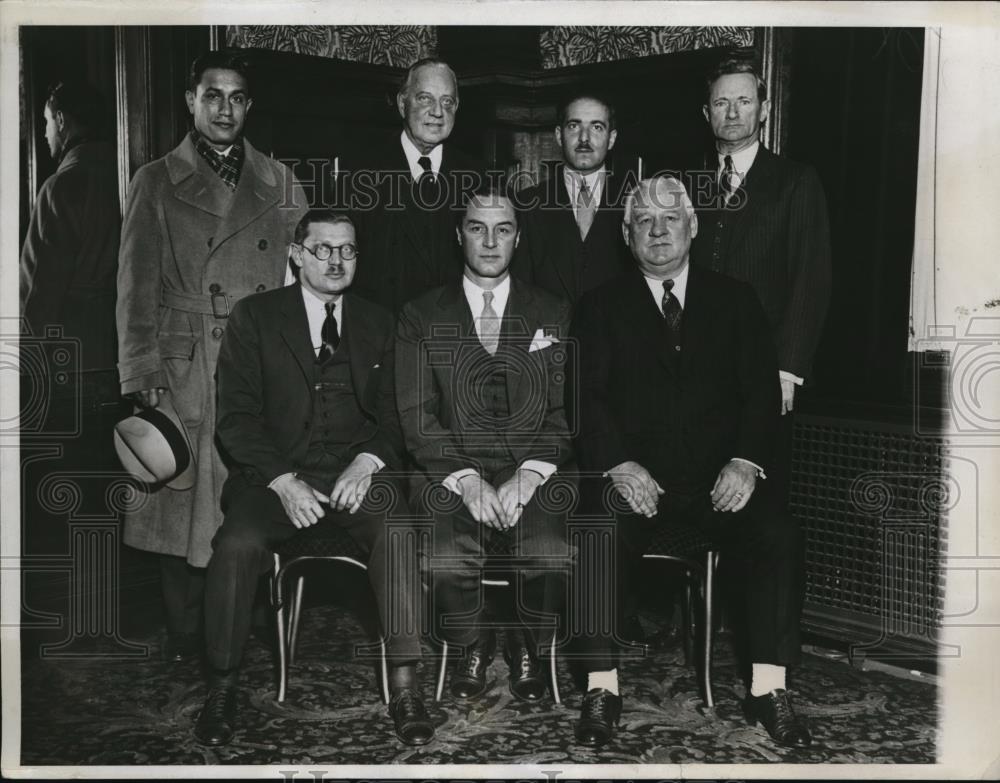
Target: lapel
{"x": 647, "y": 322}
{"x": 361, "y": 350}
{"x": 258, "y": 190}
{"x": 755, "y": 185}
{"x": 414, "y": 231}
{"x": 294, "y": 329}
{"x": 697, "y": 320}
{"x": 519, "y": 319}
{"x": 567, "y": 235}
{"x": 194, "y": 181}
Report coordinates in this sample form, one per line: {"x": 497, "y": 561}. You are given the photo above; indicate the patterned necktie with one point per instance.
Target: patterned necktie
{"x": 330, "y": 335}
{"x": 671, "y": 307}
{"x": 727, "y": 180}
{"x": 489, "y": 325}
{"x": 585, "y": 208}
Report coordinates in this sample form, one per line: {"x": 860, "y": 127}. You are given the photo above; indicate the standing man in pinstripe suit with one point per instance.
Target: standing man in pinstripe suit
{"x": 767, "y": 225}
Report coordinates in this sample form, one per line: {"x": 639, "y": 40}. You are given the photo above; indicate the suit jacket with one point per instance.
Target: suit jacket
{"x": 551, "y": 254}
{"x": 436, "y": 361}
{"x": 400, "y": 259}
{"x": 70, "y": 255}
{"x": 186, "y": 234}
{"x": 265, "y": 382}
{"x": 778, "y": 241}
{"x": 681, "y": 414}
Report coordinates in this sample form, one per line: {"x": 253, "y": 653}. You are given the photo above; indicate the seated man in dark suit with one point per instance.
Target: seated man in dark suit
{"x": 678, "y": 408}
{"x": 480, "y": 387}
{"x": 307, "y": 414}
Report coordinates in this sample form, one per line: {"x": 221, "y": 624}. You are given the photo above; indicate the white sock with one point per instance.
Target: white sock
{"x": 766, "y": 678}
{"x": 606, "y": 680}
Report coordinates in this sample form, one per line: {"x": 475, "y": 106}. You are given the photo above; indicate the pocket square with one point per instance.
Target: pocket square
{"x": 542, "y": 340}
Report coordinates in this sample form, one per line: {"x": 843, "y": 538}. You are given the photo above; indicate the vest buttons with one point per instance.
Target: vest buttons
{"x": 262, "y": 245}
{"x": 217, "y": 332}
{"x": 677, "y": 347}
{"x": 214, "y": 288}
{"x": 260, "y": 288}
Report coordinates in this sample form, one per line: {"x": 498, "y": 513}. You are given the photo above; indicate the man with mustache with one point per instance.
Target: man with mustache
{"x": 204, "y": 226}
{"x": 405, "y": 197}
{"x": 307, "y": 412}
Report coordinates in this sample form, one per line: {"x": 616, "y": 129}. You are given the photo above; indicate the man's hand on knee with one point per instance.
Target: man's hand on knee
{"x": 302, "y": 503}
{"x": 482, "y": 501}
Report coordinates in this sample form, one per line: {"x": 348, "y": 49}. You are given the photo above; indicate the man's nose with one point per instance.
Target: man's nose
{"x": 658, "y": 227}
{"x": 490, "y": 239}
{"x": 225, "y": 106}
{"x": 731, "y": 110}
{"x": 436, "y": 109}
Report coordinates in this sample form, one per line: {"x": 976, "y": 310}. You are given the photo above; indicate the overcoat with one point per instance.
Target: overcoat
{"x": 190, "y": 249}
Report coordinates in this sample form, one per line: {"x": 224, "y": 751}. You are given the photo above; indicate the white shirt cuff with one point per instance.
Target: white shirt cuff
{"x": 543, "y": 469}
{"x": 276, "y": 479}
{"x": 379, "y": 464}
{"x": 760, "y": 470}
{"x": 787, "y": 376}
{"x": 451, "y": 482}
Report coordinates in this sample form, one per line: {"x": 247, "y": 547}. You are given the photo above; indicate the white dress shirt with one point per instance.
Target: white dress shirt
{"x": 413, "y": 155}
{"x": 474, "y": 296}
{"x": 742, "y": 161}
{"x": 594, "y": 180}
{"x": 680, "y": 291}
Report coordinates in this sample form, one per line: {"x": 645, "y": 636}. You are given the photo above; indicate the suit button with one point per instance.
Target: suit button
{"x": 210, "y": 241}
{"x": 305, "y": 425}
{"x": 262, "y": 245}
{"x": 677, "y": 347}
{"x": 217, "y": 332}
{"x": 214, "y": 288}
{"x": 260, "y": 288}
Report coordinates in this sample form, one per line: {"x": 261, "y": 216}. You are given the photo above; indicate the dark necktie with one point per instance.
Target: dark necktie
{"x": 671, "y": 307}
{"x": 330, "y": 335}
{"x": 727, "y": 180}
{"x": 585, "y": 208}
{"x": 427, "y": 184}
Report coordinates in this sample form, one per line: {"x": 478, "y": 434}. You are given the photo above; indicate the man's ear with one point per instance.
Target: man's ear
{"x": 60, "y": 119}
{"x": 625, "y": 232}
{"x": 401, "y": 104}
{"x": 705, "y": 112}
{"x": 558, "y": 134}
{"x": 517, "y": 238}
{"x": 458, "y": 235}
{"x": 295, "y": 253}
{"x": 694, "y": 225}
{"x": 189, "y": 99}
{"x": 765, "y": 110}
{"x": 249, "y": 104}
{"x": 612, "y": 137}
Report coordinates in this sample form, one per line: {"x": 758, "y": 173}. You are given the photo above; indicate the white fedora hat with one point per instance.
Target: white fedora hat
{"x": 153, "y": 445}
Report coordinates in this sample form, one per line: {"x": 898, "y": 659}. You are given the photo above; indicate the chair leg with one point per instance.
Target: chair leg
{"x": 708, "y": 625}
{"x": 293, "y": 630}
{"x": 686, "y": 619}
{"x": 385, "y": 673}
{"x": 279, "y": 616}
{"x": 444, "y": 666}
{"x": 554, "y": 672}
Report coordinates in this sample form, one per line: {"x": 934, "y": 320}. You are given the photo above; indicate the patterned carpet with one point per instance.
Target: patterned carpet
{"x": 127, "y": 712}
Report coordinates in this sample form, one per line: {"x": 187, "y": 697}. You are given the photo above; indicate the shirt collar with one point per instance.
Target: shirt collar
{"x": 594, "y": 180}
{"x": 679, "y": 290}
{"x": 413, "y": 155}
{"x": 474, "y": 296}
{"x": 742, "y": 160}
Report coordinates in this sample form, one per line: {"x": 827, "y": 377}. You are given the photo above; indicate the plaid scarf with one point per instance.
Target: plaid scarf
{"x": 228, "y": 167}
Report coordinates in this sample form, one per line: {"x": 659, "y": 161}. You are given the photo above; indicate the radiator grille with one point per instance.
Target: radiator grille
{"x": 871, "y": 498}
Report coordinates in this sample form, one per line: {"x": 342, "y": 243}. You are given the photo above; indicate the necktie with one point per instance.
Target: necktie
{"x": 330, "y": 335}
{"x": 671, "y": 307}
{"x": 489, "y": 325}
{"x": 585, "y": 208}
{"x": 727, "y": 180}
{"x": 427, "y": 183}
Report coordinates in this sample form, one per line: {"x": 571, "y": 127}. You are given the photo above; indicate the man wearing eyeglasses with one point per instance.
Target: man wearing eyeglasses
{"x": 406, "y": 196}
{"x": 307, "y": 413}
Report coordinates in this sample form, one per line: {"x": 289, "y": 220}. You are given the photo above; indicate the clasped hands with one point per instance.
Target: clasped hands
{"x": 499, "y": 508}
{"x": 733, "y": 486}
{"x": 305, "y": 505}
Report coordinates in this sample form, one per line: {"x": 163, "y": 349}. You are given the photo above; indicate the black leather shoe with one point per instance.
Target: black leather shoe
{"x": 774, "y": 712}
{"x": 600, "y": 714}
{"x": 217, "y": 721}
{"x": 468, "y": 681}
{"x": 181, "y": 647}
{"x": 526, "y": 680}
{"x": 413, "y": 724}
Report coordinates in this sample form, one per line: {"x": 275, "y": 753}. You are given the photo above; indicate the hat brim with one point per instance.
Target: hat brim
{"x": 154, "y": 446}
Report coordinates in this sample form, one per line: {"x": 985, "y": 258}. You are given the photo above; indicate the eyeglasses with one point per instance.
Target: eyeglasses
{"x": 324, "y": 252}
